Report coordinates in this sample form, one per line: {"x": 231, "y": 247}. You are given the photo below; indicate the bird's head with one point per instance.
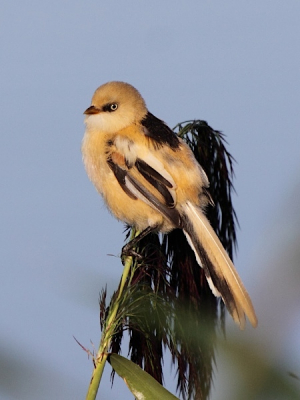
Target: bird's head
{"x": 115, "y": 105}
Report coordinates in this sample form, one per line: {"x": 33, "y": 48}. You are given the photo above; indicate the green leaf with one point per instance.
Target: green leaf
{"x": 140, "y": 383}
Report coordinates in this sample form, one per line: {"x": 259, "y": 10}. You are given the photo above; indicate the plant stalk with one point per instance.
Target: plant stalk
{"x": 108, "y": 331}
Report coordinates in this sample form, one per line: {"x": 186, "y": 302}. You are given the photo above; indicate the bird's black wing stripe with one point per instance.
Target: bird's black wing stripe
{"x": 157, "y": 130}
{"x": 120, "y": 175}
{"x": 162, "y": 190}
{"x": 146, "y": 170}
{"x": 171, "y": 213}
{"x": 157, "y": 181}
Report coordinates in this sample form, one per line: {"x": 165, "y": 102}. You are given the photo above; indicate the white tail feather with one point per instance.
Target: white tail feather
{"x": 209, "y": 281}
{"x": 198, "y": 230}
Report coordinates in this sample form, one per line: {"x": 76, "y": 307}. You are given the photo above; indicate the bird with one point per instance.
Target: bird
{"x": 150, "y": 179}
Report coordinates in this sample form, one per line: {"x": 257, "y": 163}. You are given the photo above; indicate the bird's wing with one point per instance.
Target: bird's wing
{"x": 146, "y": 179}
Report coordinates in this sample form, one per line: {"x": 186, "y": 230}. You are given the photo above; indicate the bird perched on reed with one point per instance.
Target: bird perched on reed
{"x": 150, "y": 179}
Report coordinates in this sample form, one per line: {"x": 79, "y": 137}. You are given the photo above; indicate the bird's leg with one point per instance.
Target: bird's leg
{"x": 128, "y": 249}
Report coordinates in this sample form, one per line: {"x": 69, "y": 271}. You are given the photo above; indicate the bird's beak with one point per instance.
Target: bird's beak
{"x": 92, "y": 110}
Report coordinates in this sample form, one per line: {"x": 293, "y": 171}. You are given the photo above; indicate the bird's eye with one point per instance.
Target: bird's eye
{"x": 113, "y": 106}
{"x": 110, "y": 107}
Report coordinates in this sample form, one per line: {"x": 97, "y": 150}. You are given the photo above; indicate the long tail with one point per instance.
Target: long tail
{"x": 220, "y": 272}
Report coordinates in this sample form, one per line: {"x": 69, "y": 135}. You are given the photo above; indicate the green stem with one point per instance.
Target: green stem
{"x": 108, "y": 332}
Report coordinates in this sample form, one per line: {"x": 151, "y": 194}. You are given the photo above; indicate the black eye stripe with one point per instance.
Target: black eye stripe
{"x": 110, "y": 107}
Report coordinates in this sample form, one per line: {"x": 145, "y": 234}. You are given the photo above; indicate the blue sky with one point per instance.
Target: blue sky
{"x": 234, "y": 64}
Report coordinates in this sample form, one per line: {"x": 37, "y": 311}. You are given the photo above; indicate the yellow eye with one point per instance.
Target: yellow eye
{"x": 110, "y": 107}
{"x": 113, "y": 106}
